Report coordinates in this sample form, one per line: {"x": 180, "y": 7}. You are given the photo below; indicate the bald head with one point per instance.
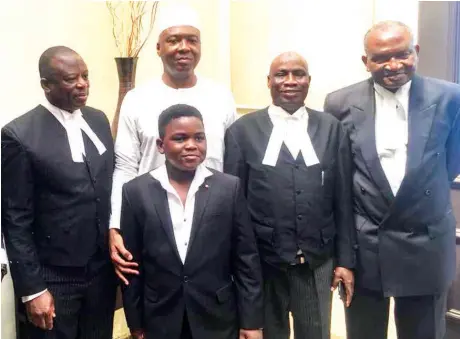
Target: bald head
{"x": 388, "y": 28}
{"x": 287, "y": 56}
{"x": 390, "y": 54}
{"x": 289, "y": 81}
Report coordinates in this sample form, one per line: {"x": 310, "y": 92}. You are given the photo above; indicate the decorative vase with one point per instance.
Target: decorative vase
{"x": 126, "y": 67}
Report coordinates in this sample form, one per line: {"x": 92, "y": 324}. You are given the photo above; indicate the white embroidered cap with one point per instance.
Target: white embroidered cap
{"x": 176, "y": 14}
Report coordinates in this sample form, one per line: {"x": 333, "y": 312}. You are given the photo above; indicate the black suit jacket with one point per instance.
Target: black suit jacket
{"x": 326, "y": 229}
{"x": 54, "y": 211}
{"x": 407, "y": 242}
{"x": 219, "y": 285}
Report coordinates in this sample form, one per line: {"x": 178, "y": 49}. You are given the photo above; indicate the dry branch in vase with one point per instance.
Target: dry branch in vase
{"x": 127, "y": 24}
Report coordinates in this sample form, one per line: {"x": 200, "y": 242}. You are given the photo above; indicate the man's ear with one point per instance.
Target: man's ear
{"x": 364, "y": 60}
{"x": 45, "y": 84}
{"x": 158, "y": 48}
{"x": 268, "y": 81}
{"x": 160, "y": 146}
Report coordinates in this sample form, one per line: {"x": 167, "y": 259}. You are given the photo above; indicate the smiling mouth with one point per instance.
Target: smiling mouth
{"x": 82, "y": 97}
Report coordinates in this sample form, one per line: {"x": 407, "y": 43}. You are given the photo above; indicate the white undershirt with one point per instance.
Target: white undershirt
{"x": 74, "y": 124}
{"x": 181, "y": 215}
{"x": 292, "y": 130}
{"x": 391, "y": 132}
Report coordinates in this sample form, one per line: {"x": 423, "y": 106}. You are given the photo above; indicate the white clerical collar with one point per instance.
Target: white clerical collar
{"x": 161, "y": 174}
{"x": 279, "y": 112}
{"x": 292, "y": 130}
{"x": 74, "y": 124}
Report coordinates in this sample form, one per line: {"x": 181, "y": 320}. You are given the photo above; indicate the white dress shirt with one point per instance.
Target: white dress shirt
{"x": 391, "y": 132}
{"x": 135, "y": 147}
{"x": 181, "y": 215}
{"x": 74, "y": 124}
{"x": 292, "y": 130}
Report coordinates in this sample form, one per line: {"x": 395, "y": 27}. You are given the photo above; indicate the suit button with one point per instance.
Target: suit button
{"x": 298, "y": 192}
{"x": 296, "y": 166}
{"x": 363, "y": 191}
{"x": 94, "y": 181}
{"x": 427, "y": 192}
{"x": 185, "y": 278}
{"x": 438, "y": 154}
{"x": 299, "y": 217}
{"x": 355, "y": 246}
{"x": 98, "y": 200}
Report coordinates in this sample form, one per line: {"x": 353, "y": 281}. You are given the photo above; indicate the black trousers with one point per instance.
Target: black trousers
{"x": 418, "y": 317}
{"x": 84, "y": 300}
{"x": 304, "y": 292}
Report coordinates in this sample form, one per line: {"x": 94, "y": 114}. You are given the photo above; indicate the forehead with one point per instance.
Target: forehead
{"x": 185, "y": 125}
{"x": 68, "y": 63}
{"x": 389, "y": 40}
{"x": 180, "y": 31}
{"x": 288, "y": 62}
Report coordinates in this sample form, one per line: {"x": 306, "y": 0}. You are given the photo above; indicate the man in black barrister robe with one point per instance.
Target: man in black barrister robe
{"x": 296, "y": 169}
{"x": 57, "y": 164}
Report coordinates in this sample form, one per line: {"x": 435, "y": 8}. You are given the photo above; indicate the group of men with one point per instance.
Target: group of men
{"x": 357, "y": 196}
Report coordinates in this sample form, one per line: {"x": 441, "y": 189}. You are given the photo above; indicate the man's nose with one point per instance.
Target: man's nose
{"x": 290, "y": 79}
{"x": 82, "y": 82}
{"x": 394, "y": 64}
{"x": 184, "y": 45}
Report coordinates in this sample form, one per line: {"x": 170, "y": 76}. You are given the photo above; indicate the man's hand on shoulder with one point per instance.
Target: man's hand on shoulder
{"x": 121, "y": 257}
{"x": 41, "y": 312}
{"x": 251, "y": 334}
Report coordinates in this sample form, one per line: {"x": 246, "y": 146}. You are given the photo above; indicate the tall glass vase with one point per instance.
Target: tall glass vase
{"x": 126, "y": 67}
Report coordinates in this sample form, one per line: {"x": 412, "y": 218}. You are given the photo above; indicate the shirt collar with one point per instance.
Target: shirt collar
{"x": 279, "y": 112}
{"x": 401, "y": 94}
{"x": 161, "y": 174}
{"x": 60, "y": 114}
{"x": 187, "y": 89}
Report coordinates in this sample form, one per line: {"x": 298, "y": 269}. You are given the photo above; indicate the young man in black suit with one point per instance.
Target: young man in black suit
{"x": 57, "y": 164}
{"x": 188, "y": 227}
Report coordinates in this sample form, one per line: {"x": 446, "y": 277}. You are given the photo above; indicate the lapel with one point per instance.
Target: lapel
{"x": 421, "y": 115}
{"x": 363, "y": 115}
{"x": 160, "y": 199}
{"x": 313, "y": 125}
{"x": 201, "y": 201}
{"x": 55, "y": 128}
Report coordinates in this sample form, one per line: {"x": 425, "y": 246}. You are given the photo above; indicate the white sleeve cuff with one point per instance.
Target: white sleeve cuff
{"x": 33, "y": 296}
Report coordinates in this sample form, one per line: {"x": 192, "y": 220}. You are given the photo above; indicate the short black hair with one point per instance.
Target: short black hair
{"x": 175, "y": 112}
{"x": 44, "y": 63}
